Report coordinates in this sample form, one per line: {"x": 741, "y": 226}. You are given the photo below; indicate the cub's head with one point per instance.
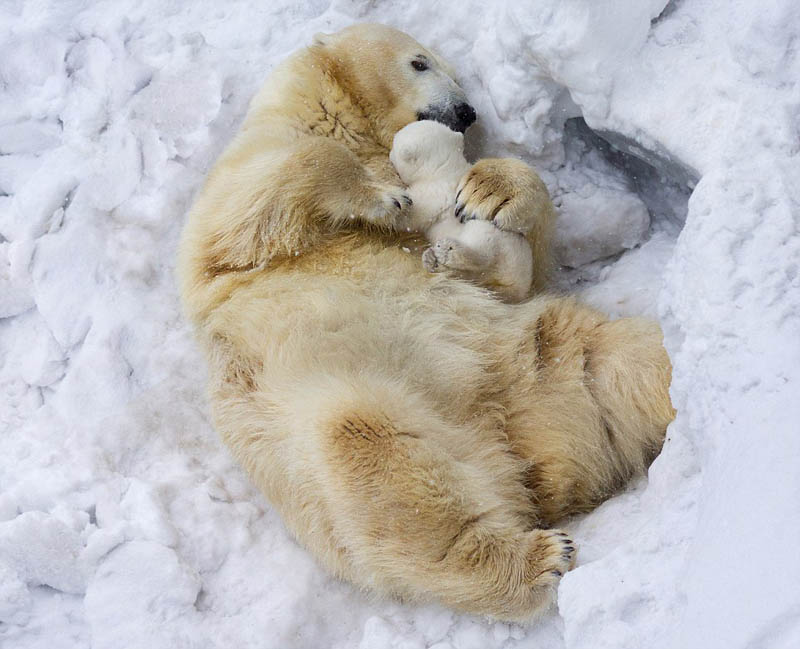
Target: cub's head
{"x": 394, "y": 79}
{"x": 427, "y": 150}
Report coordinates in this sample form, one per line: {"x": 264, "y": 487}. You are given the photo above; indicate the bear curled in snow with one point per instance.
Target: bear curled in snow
{"x": 429, "y": 158}
{"x": 418, "y": 435}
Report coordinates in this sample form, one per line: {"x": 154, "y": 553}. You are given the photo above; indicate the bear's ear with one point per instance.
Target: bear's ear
{"x": 321, "y": 39}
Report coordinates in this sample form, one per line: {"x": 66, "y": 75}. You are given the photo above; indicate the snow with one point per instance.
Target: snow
{"x": 123, "y": 520}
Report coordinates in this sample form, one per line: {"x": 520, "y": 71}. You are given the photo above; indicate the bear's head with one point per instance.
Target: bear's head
{"x": 394, "y": 79}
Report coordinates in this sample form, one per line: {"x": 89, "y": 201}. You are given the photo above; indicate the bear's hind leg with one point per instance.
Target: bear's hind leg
{"x": 421, "y": 524}
{"x": 594, "y": 412}
{"x": 629, "y": 373}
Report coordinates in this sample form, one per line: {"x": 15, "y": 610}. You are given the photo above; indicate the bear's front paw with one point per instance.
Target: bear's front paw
{"x": 390, "y": 208}
{"x": 505, "y": 191}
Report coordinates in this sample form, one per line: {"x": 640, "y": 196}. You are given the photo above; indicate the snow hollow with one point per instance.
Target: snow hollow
{"x": 669, "y": 137}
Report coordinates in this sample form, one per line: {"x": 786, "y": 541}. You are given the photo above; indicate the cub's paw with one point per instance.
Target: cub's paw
{"x": 505, "y": 191}
{"x": 551, "y": 554}
{"x": 438, "y": 257}
{"x": 390, "y": 208}
{"x": 430, "y": 262}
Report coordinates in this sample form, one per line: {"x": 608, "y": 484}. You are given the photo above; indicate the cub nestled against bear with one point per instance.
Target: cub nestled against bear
{"x": 418, "y": 435}
{"x": 429, "y": 158}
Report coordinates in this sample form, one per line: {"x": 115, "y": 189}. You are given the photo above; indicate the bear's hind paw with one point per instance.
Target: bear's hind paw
{"x": 552, "y": 553}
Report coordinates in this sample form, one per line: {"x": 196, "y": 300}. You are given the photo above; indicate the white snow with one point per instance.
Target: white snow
{"x": 123, "y": 520}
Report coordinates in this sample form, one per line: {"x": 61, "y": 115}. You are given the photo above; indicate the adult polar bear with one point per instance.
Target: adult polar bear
{"x": 415, "y": 433}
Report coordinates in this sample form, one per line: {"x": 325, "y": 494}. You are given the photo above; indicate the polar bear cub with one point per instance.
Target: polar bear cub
{"x": 429, "y": 158}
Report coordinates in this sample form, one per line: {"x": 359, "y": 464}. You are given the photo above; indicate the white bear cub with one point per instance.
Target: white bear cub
{"x": 429, "y": 158}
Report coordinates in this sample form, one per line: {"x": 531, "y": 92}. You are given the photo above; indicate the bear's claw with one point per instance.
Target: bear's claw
{"x": 552, "y": 553}
{"x": 390, "y": 208}
{"x": 505, "y": 192}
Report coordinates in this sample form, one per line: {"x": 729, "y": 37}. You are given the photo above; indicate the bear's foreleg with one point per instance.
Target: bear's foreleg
{"x": 263, "y": 202}
{"x": 509, "y": 194}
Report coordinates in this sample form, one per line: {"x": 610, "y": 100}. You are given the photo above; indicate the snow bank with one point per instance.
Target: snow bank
{"x": 123, "y": 521}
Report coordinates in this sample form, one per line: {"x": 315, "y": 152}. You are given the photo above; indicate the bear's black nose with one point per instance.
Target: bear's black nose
{"x": 465, "y": 115}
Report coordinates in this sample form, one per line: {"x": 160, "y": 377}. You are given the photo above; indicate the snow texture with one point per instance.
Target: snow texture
{"x": 123, "y": 520}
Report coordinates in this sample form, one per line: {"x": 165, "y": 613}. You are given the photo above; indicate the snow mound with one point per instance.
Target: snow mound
{"x": 123, "y": 520}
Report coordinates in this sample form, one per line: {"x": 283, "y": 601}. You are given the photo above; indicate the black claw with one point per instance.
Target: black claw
{"x": 459, "y": 212}
{"x": 561, "y": 534}
{"x": 569, "y": 549}
{"x": 396, "y": 203}
{"x": 407, "y": 200}
{"x": 557, "y": 573}
{"x": 458, "y": 193}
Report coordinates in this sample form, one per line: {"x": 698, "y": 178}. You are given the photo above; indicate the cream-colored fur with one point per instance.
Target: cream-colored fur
{"x": 416, "y": 434}
{"x": 429, "y": 158}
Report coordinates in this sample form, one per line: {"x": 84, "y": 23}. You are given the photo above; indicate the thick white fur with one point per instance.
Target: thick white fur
{"x": 429, "y": 157}
{"x": 416, "y": 434}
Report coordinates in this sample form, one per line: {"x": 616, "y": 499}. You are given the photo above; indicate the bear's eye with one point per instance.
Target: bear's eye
{"x": 419, "y": 65}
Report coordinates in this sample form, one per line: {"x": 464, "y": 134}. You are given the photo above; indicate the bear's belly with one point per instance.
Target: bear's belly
{"x": 384, "y": 317}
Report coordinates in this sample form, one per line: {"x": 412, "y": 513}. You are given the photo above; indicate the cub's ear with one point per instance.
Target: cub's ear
{"x": 321, "y": 39}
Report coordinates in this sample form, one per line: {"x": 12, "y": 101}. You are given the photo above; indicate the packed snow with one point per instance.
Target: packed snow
{"x": 123, "y": 520}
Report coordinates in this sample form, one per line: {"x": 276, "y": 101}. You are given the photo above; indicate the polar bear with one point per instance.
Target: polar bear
{"x": 419, "y": 436}
{"x": 429, "y": 158}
